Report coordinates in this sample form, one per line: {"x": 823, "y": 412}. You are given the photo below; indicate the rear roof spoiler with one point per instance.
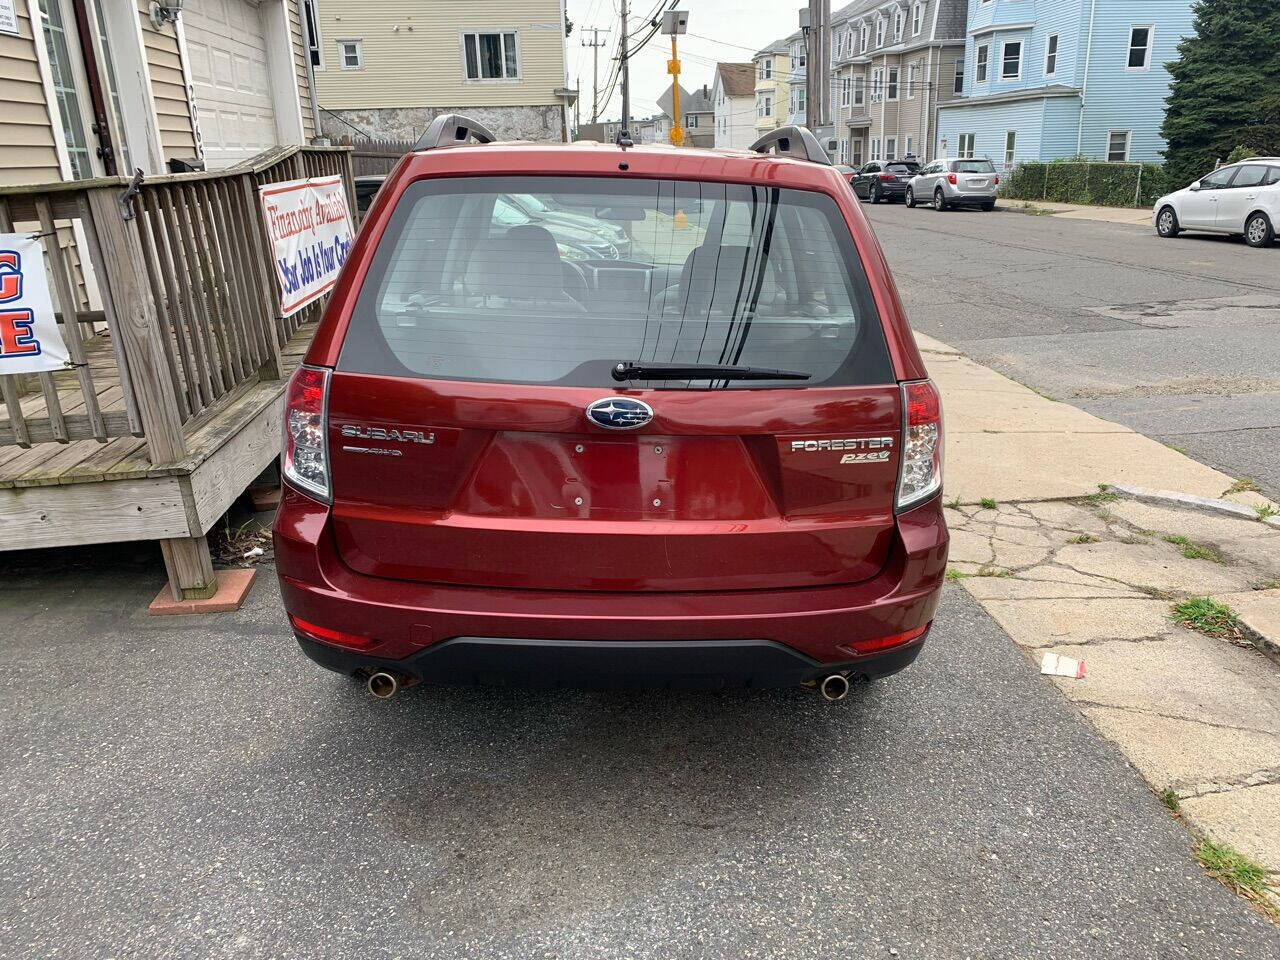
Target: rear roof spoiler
{"x": 453, "y": 130}
{"x": 796, "y": 142}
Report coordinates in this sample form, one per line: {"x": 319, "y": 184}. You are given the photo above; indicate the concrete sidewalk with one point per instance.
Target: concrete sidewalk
{"x": 1080, "y": 211}
{"x": 1067, "y": 567}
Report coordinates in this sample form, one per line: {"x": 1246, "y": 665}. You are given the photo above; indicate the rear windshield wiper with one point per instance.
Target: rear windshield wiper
{"x": 701, "y": 371}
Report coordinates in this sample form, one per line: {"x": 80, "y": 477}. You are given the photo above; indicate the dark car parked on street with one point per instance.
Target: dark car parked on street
{"x": 884, "y": 180}
{"x": 717, "y": 462}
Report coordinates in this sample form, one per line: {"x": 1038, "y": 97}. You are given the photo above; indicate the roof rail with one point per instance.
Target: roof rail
{"x": 796, "y": 142}
{"x": 453, "y": 130}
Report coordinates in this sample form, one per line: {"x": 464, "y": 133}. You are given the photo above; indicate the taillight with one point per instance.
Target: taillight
{"x": 951, "y": 179}
{"x": 888, "y": 177}
{"x": 920, "y": 475}
{"x": 339, "y": 638}
{"x": 306, "y": 448}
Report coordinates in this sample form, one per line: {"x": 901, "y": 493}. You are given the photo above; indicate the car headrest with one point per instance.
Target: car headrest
{"x": 522, "y": 264}
{"x": 719, "y": 279}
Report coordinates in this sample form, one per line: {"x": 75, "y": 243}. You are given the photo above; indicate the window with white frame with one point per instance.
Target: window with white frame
{"x": 1139, "y": 47}
{"x": 859, "y": 91}
{"x": 351, "y": 54}
{"x": 491, "y": 56}
{"x": 879, "y": 32}
{"x": 1051, "y": 55}
{"x": 1011, "y": 60}
{"x": 846, "y": 91}
{"x": 877, "y": 85}
{"x": 965, "y": 150}
{"x": 913, "y": 70}
{"x": 766, "y": 69}
{"x": 892, "y": 87}
{"x": 1118, "y": 146}
{"x": 957, "y": 85}
{"x": 1010, "y": 142}
{"x": 844, "y": 151}
{"x": 865, "y": 37}
{"x": 875, "y": 148}
{"x": 911, "y": 147}
{"x": 691, "y": 120}
{"x": 797, "y": 100}
{"x": 764, "y": 106}
{"x": 855, "y": 152}
{"x": 897, "y": 24}
{"x": 799, "y": 53}
{"x": 917, "y": 19}
{"x": 980, "y": 66}
{"x": 312, "y": 23}
{"x": 890, "y": 148}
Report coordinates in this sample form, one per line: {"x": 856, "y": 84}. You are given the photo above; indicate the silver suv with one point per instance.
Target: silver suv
{"x": 955, "y": 183}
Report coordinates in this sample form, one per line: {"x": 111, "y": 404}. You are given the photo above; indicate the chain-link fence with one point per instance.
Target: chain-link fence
{"x": 1091, "y": 182}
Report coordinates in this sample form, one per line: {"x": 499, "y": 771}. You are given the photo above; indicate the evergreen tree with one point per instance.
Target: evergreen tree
{"x": 1226, "y": 87}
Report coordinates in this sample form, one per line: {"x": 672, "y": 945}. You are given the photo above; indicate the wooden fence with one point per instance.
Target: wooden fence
{"x": 377, "y": 157}
{"x": 190, "y": 299}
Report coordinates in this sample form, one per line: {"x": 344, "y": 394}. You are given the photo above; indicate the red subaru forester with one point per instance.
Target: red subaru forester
{"x": 587, "y": 412}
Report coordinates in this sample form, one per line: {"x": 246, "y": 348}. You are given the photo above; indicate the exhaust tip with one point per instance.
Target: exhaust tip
{"x": 834, "y": 687}
{"x": 383, "y": 685}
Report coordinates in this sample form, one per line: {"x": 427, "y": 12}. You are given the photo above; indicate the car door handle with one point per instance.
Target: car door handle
{"x": 1251, "y": 196}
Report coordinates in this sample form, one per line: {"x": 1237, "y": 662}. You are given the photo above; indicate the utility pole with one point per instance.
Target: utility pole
{"x": 815, "y": 21}
{"x": 675, "y": 22}
{"x": 624, "y": 132}
{"x": 595, "y": 45}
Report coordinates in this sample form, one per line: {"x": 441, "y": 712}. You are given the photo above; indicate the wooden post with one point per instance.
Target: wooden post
{"x": 133, "y": 319}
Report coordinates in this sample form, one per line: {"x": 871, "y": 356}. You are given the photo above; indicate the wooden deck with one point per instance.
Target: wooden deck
{"x": 94, "y": 492}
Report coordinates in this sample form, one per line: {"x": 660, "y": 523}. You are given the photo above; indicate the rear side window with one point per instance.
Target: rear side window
{"x": 555, "y": 280}
{"x": 972, "y": 166}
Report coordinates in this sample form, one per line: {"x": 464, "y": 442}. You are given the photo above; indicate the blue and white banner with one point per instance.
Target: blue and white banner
{"x": 29, "y": 337}
{"x": 311, "y": 234}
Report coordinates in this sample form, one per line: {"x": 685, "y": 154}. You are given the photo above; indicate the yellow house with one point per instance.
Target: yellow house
{"x": 772, "y": 64}
{"x": 94, "y": 87}
{"x": 385, "y": 69}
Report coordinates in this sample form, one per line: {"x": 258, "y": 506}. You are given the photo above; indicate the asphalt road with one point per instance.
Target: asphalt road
{"x": 180, "y": 788}
{"x": 1178, "y": 339}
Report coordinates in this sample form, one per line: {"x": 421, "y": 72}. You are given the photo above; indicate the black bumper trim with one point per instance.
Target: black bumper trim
{"x": 694, "y": 664}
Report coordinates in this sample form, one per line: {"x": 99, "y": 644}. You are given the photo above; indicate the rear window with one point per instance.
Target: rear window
{"x": 555, "y": 280}
{"x": 903, "y": 167}
{"x": 972, "y": 166}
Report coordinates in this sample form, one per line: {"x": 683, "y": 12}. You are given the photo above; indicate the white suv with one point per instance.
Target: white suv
{"x": 1243, "y": 198}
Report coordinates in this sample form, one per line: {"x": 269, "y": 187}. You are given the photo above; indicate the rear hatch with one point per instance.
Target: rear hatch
{"x": 478, "y": 434}
{"x": 975, "y": 176}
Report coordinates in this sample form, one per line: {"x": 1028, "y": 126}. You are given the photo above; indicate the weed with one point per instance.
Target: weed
{"x": 1099, "y": 498}
{"x": 1206, "y": 615}
{"x": 1268, "y": 585}
{"x": 1084, "y": 538}
{"x": 1237, "y": 873}
{"x": 1195, "y": 551}
{"x": 1243, "y": 485}
{"x": 1267, "y": 510}
{"x": 993, "y": 572}
{"x": 954, "y": 504}
{"x": 1106, "y": 516}
{"x": 954, "y": 574}
{"x": 1175, "y": 448}
{"x": 1133, "y": 541}
{"x": 1169, "y": 799}
{"x": 1157, "y": 594}
{"x": 987, "y": 503}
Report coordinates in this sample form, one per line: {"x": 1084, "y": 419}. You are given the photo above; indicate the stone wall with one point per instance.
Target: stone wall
{"x": 408, "y": 123}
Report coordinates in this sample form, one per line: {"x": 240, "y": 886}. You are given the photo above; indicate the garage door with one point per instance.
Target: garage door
{"x": 227, "y": 57}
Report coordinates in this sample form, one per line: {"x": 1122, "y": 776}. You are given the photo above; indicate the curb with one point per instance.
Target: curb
{"x": 1173, "y": 498}
{"x": 1270, "y": 646}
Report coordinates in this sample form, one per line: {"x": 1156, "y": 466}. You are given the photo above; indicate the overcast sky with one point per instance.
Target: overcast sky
{"x": 739, "y": 28}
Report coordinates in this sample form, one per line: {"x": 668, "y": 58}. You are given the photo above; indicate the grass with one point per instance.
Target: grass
{"x": 1169, "y": 799}
{"x": 1206, "y": 615}
{"x": 984, "y": 571}
{"x": 1100, "y": 498}
{"x": 954, "y": 574}
{"x": 1084, "y": 538}
{"x": 1237, "y": 873}
{"x": 1243, "y": 485}
{"x": 987, "y": 503}
{"x": 1267, "y": 510}
{"x": 954, "y": 504}
{"x": 1195, "y": 551}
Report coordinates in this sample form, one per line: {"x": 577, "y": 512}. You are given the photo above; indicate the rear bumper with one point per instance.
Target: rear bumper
{"x": 966, "y": 198}
{"x": 682, "y": 664}
{"x": 790, "y": 634}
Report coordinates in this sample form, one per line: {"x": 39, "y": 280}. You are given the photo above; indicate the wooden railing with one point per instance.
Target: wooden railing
{"x": 189, "y": 294}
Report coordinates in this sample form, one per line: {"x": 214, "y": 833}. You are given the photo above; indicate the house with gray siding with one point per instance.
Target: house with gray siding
{"x": 1046, "y": 79}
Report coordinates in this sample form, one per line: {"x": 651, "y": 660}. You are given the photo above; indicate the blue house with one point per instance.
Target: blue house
{"x": 1046, "y": 79}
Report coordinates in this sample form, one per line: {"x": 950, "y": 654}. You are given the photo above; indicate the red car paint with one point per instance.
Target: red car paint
{"x": 520, "y": 519}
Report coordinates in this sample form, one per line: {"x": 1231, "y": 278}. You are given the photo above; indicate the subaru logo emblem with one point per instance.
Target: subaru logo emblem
{"x": 619, "y": 413}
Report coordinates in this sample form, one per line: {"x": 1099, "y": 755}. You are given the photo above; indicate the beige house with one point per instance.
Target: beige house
{"x": 772, "y": 65}
{"x": 94, "y": 87}
{"x": 384, "y": 70}
{"x": 892, "y": 64}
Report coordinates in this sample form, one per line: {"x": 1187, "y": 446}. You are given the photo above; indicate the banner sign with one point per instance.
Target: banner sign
{"x": 29, "y": 338}
{"x": 311, "y": 234}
